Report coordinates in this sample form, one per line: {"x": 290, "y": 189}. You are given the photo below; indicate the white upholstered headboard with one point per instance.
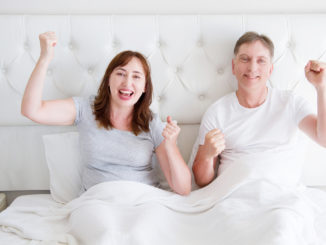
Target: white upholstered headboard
{"x": 190, "y": 57}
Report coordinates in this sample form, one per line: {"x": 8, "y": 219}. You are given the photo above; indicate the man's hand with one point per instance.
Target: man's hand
{"x": 214, "y": 143}
{"x": 48, "y": 40}
{"x": 171, "y": 131}
{"x": 316, "y": 74}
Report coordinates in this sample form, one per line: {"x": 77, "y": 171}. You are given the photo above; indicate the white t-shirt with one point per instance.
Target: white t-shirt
{"x": 269, "y": 128}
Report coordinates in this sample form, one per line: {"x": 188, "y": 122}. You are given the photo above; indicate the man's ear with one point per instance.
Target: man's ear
{"x": 271, "y": 69}
{"x": 233, "y": 66}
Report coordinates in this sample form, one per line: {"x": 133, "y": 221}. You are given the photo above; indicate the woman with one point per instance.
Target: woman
{"x": 118, "y": 132}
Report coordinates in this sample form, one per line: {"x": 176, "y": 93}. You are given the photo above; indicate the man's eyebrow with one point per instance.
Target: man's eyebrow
{"x": 260, "y": 56}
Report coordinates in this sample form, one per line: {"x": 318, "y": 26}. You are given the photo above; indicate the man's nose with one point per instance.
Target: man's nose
{"x": 252, "y": 66}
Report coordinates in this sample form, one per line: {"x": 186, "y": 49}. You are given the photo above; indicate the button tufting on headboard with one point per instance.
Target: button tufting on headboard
{"x": 190, "y": 58}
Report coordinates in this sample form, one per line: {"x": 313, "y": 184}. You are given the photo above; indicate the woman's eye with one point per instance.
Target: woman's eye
{"x": 137, "y": 77}
{"x": 120, "y": 74}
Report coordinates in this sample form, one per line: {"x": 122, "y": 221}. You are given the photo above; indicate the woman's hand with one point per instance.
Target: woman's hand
{"x": 171, "y": 161}
{"x": 171, "y": 131}
{"x": 48, "y": 40}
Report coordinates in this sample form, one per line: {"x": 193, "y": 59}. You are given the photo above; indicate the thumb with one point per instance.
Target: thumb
{"x": 307, "y": 67}
{"x": 169, "y": 119}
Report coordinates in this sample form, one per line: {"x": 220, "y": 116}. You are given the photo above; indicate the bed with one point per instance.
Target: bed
{"x": 190, "y": 57}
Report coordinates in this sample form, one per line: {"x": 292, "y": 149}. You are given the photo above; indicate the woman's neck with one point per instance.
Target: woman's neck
{"x": 121, "y": 118}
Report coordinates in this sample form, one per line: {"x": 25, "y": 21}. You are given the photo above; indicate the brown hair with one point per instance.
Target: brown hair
{"x": 250, "y": 37}
{"x": 142, "y": 115}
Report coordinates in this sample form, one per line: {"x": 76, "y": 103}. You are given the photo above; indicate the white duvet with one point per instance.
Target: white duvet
{"x": 249, "y": 203}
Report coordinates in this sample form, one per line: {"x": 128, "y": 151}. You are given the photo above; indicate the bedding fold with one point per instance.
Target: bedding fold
{"x": 247, "y": 204}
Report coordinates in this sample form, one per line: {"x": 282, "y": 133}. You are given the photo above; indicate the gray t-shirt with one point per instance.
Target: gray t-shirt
{"x": 115, "y": 154}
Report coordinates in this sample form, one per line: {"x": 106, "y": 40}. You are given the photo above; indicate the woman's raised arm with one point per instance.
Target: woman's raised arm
{"x": 52, "y": 112}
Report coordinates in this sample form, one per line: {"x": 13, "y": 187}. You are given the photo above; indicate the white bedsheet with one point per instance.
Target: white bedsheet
{"x": 247, "y": 204}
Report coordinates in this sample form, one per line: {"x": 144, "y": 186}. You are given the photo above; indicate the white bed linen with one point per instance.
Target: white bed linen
{"x": 247, "y": 204}
{"x": 27, "y": 201}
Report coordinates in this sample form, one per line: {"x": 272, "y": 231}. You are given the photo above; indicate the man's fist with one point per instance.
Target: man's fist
{"x": 214, "y": 143}
{"x": 316, "y": 73}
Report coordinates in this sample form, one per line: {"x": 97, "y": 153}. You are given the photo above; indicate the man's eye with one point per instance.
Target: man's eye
{"x": 261, "y": 61}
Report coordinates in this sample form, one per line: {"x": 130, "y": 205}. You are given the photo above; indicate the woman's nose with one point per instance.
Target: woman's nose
{"x": 127, "y": 80}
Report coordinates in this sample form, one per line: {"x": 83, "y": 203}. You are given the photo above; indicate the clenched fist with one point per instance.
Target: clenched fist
{"x": 171, "y": 131}
{"x": 47, "y": 41}
{"x": 214, "y": 143}
{"x": 316, "y": 73}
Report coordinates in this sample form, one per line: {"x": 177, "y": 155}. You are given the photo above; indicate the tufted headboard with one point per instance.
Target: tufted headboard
{"x": 190, "y": 57}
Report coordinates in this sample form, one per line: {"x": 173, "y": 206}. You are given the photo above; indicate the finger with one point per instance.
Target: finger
{"x": 213, "y": 132}
{"x": 307, "y": 67}
{"x": 314, "y": 66}
{"x": 217, "y": 141}
{"x": 220, "y": 147}
{"x": 169, "y": 119}
{"x": 172, "y": 126}
{"x": 169, "y": 130}
{"x": 217, "y": 135}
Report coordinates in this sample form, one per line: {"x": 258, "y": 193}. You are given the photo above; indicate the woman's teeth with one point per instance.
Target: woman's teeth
{"x": 129, "y": 93}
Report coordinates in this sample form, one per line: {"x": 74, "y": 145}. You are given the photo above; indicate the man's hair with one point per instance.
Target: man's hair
{"x": 250, "y": 37}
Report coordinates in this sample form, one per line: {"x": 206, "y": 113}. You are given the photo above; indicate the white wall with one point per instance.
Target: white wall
{"x": 161, "y": 6}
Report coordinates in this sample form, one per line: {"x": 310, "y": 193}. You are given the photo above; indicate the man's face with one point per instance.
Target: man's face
{"x": 252, "y": 65}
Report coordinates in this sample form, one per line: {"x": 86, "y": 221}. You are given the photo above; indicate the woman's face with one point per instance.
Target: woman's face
{"x": 127, "y": 83}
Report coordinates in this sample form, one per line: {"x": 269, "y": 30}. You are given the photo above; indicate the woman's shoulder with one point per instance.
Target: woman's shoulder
{"x": 156, "y": 122}
{"x": 84, "y": 101}
{"x": 84, "y": 107}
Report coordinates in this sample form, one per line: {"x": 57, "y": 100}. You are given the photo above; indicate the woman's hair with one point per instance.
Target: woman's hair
{"x": 142, "y": 115}
{"x": 250, "y": 37}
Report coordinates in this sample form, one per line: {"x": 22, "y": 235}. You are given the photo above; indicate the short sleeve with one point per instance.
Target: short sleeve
{"x": 302, "y": 108}
{"x": 208, "y": 123}
{"x": 79, "y": 101}
{"x": 156, "y": 127}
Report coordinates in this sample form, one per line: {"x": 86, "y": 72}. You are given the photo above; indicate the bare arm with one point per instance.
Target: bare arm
{"x": 55, "y": 112}
{"x": 315, "y": 126}
{"x": 172, "y": 164}
{"x": 206, "y": 157}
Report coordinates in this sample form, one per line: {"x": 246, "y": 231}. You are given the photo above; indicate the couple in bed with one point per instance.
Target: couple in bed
{"x": 119, "y": 133}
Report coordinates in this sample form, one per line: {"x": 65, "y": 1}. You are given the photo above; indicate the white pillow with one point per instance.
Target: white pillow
{"x": 64, "y": 163}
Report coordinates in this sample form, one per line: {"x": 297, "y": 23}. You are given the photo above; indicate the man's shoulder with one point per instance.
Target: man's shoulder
{"x": 282, "y": 95}
{"x": 223, "y": 101}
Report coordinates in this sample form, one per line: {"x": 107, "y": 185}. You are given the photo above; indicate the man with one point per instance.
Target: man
{"x": 257, "y": 118}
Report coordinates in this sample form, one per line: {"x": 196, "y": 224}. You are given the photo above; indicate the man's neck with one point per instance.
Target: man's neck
{"x": 252, "y": 98}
